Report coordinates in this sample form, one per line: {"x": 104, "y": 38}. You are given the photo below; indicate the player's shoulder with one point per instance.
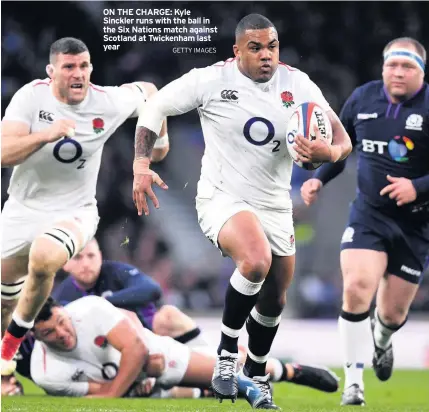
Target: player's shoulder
{"x": 370, "y": 88}
{"x": 35, "y": 87}
{"x": 216, "y": 71}
{"x": 291, "y": 72}
{"x": 115, "y": 267}
{"x": 84, "y": 305}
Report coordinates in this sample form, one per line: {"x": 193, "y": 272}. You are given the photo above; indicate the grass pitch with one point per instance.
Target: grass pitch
{"x": 406, "y": 391}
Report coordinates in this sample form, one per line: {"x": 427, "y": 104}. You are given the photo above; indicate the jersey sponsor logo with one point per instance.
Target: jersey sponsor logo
{"x": 287, "y": 99}
{"x": 45, "y": 116}
{"x": 414, "y": 122}
{"x": 366, "y": 116}
{"x": 98, "y": 125}
{"x": 348, "y": 235}
{"x": 410, "y": 271}
{"x": 229, "y": 95}
{"x": 398, "y": 148}
{"x": 109, "y": 370}
{"x": 133, "y": 272}
{"x": 101, "y": 341}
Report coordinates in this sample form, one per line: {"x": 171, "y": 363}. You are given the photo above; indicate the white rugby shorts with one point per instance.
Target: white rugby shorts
{"x": 215, "y": 208}
{"x": 177, "y": 358}
{"x": 20, "y": 225}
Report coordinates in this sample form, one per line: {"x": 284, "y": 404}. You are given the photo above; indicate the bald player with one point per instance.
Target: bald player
{"x": 385, "y": 244}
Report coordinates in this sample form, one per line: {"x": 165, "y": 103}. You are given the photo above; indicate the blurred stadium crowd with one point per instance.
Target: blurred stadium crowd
{"x": 338, "y": 44}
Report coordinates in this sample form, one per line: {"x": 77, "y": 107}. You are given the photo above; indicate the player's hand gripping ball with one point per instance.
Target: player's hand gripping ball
{"x": 308, "y": 136}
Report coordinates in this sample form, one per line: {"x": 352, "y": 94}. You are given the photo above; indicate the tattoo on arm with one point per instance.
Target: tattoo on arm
{"x": 144, "y": 142}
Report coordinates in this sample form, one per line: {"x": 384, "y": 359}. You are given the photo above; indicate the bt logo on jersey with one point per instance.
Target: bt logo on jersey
{"x": 397, "y": 148}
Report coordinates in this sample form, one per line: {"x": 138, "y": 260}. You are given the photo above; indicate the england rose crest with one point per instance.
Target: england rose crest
{"x": 98, "y": 125}
{"x": 101, "y": 341}
{"x": 287, "y": 99}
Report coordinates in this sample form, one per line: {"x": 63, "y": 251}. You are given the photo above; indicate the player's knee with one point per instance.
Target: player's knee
{"x": 42, "y": 263}
{"x": 394, "y": 316}
{"x": 255, "y": 266}
{"x": 357, "y": 293}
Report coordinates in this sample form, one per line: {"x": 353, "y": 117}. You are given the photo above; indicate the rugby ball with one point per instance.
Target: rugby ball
{"x": 302, "y": 122}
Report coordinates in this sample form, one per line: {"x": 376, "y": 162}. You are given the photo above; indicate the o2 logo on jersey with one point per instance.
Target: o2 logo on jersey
{"x": 397, "y": 148}
{"x": 65, "y": 145}
{"x": 270, "y": 132}
{"x": 109, "y": 370}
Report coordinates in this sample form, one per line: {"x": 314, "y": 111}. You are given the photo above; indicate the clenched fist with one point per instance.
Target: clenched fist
{"x": 309, "y": 190}
{"x": 59, "y": 129}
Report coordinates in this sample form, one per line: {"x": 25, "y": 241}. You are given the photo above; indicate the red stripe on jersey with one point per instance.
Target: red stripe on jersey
{"x": 288, "y": 67}
{"x": 47, "y": 84}
{"x": 44, "y": 359}
{"x": 95, "y": 88}
{"x": 230, "y": 60}
{"x": 310, "y": 109}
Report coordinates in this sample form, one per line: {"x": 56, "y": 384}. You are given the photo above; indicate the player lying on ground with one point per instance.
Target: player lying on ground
{"x": 125, "y": 286}
{"x": 90, "y": 348}
{"x": 386, "y": 242}
{"x": 53, "y": 134}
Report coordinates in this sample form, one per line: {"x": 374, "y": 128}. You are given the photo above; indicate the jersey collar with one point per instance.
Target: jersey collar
{"x": 265, "y": 87}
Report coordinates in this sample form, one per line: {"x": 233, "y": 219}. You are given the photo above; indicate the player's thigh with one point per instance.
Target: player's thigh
{"x": 364, "y": 247}
{"x": 171, "y": 321}
{"x": 18, "y": 225}
{"x": 232, "y": 226}
{"x": 62, "y": 238}
{"x": 279, "y": 229}
{"x": 177, "y": 359}
{"x": 394, "y": 298}
{"x": 243, "y": 238}
{"x": 362, "y": 270}
{"x": 272, "y": 297}
{"x": 200, "y": 370}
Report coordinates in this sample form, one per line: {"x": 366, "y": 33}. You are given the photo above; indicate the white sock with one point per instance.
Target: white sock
{"x": 277, "y": 369}
{"x": 354, "y": 337}
{"x": 382, "y": 333}
{"x": 20, "y": 322}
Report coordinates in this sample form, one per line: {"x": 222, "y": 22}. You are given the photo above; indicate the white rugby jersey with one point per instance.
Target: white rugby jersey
{"x": 93, "y": 358}
{"x": 63, "y": 174}
{"x": 244, "y": 126}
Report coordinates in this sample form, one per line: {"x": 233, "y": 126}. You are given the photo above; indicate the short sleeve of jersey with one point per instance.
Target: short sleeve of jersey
{"x": 128, "y": 98}
{"x": 55, "y": 375}
{"x": 312, "y": 93}
{"x": 20, "y": 108}
{"x": 103, "y": 314}
{"x": 348, "y": 113}
{"x": 178, "y": 97}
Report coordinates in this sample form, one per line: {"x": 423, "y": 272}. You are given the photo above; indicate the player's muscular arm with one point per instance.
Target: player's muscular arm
{"x": 341, "y": 142}
{"x": 161, "y": 146}
{"x": 17, "y": 143}
{"x": 134, "y": 355}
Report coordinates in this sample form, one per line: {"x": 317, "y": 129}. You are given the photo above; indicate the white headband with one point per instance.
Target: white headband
{"x": 405, "y": 54}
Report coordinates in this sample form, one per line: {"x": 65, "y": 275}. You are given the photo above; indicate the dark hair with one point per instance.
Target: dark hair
{"x": 421, "y": 51}
{"x": 66, "y": 45}
{"x": 252, "y": 21}
{"x": 46, "y": 311}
